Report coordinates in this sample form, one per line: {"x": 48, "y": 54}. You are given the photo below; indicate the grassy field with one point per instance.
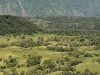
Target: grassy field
{"x": 21, "y": 53}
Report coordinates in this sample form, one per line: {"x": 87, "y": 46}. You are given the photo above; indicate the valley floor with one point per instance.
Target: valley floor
{"x": 57, "y": 52}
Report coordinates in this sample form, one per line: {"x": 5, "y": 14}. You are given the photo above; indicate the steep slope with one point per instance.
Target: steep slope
{"x": 50, "y": 7}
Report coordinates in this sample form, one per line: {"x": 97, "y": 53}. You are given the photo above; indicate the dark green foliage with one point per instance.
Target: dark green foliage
{"x": 11, "y": 62}
{"x": 16, "y": 25}
{"x": 82, "y": 40}
{"x": 60, "y": 61}
{"x": 33, "y": 72}
{"x": 33, "y": 60}
{"x": 67, "y": 73}
{"x": 26, "y": 43}
{"x": 0, "y": 59}
{"x": 2, "y": 68}
{"x": 72, "y": 25}
{"x": 88, "y": 55}
{"x": 49, "y": 64}
{"x": 66, "y": 58}
{"x": 14, "y": 72}
{"x": 40, "y": 41}
{"x": 60, "y": 25}
{"x": 11, "y": 72}
{"x": 57, "y": 48}
{"x": 70, "y": 68}
{"x": 88, "y": 72}
{"x": 76, "y": 62}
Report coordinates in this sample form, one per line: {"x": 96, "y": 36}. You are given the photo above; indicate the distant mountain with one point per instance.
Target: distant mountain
{"x": 50, "y": 7}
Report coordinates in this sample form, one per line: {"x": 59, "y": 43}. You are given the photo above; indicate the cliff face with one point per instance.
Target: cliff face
{"x": 50, "y": 7}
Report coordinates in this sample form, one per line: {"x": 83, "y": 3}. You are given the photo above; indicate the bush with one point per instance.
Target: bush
{"x": 69, "y": 68}
{"x": 66, "y": 58}
{"x": 14, "y": 72}
{"x": 67, "y": 73}
{"x": 27, "y": 43}
{"x": 88, "y": 55}
{"x": 56, "y": 48}
{"x": 76, "y": 62}
{"x": 24, "y": 43}
{"x": 11, "y": 62}
{"x": 40, "y": 41}
{"x": 60, "y": 61}
{"x": 3, "y": 45}
{"x": 33, "y": 72}
{"x": 0, "y": 59}
{"x": 22, "y": 73}
{"x": 33, "y": 60}
{"x": 49, "y": 64}
{"x": 88, "y": 72}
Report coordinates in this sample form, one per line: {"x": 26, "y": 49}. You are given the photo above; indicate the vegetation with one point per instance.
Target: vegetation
{"x": 47, "y": 53}
{"x": 16, "y": 25}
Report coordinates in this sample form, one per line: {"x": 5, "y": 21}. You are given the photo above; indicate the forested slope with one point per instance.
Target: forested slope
{"x": 16, "y": 25}
{"x": 68, "y": 25}
{"x": 61, "y": 24}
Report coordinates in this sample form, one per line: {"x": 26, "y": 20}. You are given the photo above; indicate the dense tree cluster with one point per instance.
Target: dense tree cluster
{"x": 16, "y": 25}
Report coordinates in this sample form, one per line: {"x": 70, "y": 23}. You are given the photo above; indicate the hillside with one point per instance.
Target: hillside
{"x": 50, "y": 7}
{"x": 68, "y": 25}
{"x": 61, "y": 24}
{"x": 16, "y": 25}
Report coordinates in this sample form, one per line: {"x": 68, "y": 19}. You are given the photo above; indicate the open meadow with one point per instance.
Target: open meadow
{"x": 48, "y": 54}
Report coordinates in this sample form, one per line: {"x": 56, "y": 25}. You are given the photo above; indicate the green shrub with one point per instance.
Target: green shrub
{"x": 26, "y": 43}
{"x": 40, "y": 41}
{"x": 49, "y": 64}
{"x": 88, "y": 55}
{"x": 67, "y": 73}
{"x": 22, "y": 73}
{"x": 3, "y": 45}
{"x": 11, "y": 62}
{"x": 60, "y": 61}
{"x": 33, "y": 60}
{"x": 14, "y": 72}
{"x": 76, "y": 62}
{"x": 57, "y": 48}
{"x": 0, "y": 59}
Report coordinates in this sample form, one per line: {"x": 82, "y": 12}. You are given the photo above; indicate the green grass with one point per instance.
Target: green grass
{"x": 21, "y": 53}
